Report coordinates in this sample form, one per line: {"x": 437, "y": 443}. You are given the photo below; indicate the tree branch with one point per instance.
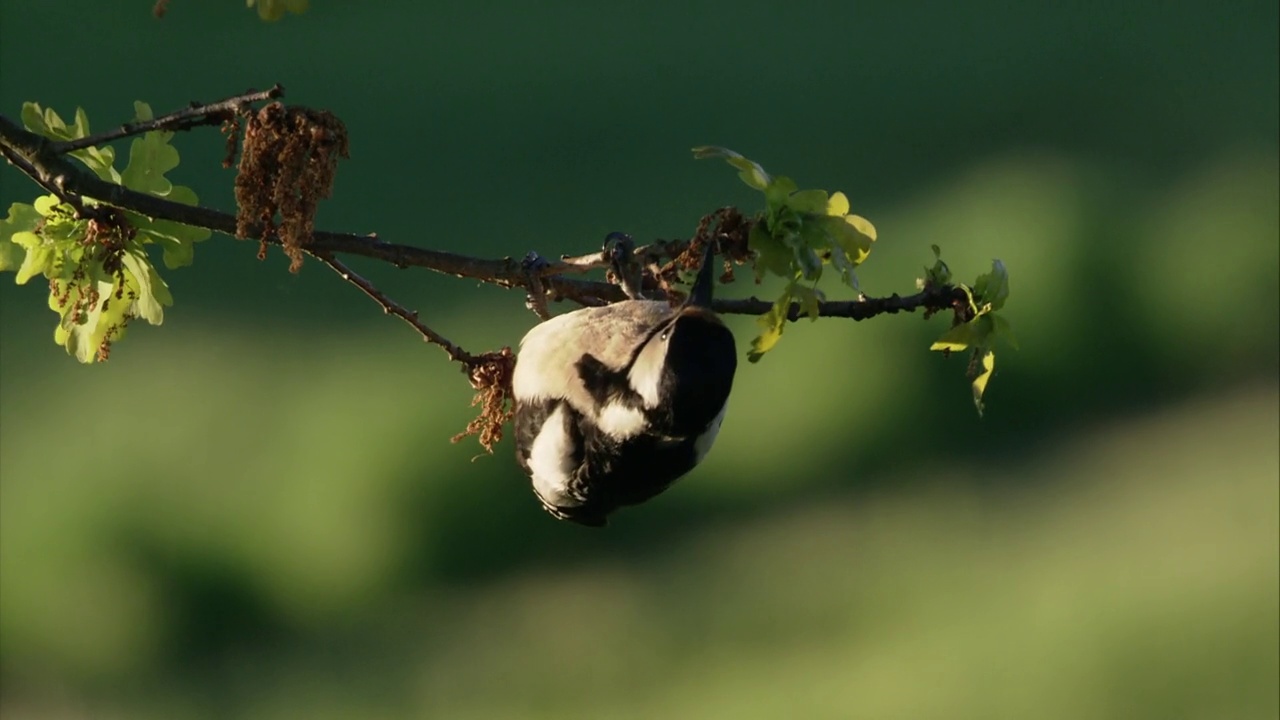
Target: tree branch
{"x": 392, "y": 307}
{"x": 194, "y": 116}
{"x": 44, "y": 162}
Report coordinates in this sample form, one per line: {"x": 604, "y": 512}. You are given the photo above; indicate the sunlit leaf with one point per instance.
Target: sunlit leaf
{"x": 776, "y": 194}
{"x": 46, "y": 238}
{"x": 33, "y": 119}
{"x": 771, "y": 325}
{"x": 750, "y": 173}
{"x": 47, "y": 205}
{"x": 863, "y": 226}
{"x": 153, "y": 293}
{"x": 955, "y": 339}
{"x": 150, "y": 157}
{"x": 22, "y": 218}
{"x": 985, "y": 365}
{"x": 845, "y": 237}
{"x": 94, "y": 309}
{"x": 837, "y": 204}
{"x": 38, "y": 259}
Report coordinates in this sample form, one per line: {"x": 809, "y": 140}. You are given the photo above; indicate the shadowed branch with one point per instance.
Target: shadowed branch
{"x": 45, "y": 163}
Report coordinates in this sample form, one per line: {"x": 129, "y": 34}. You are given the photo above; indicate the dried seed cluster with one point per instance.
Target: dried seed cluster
{"x": 490, "y": 375}
{"x": 287, "y": 164}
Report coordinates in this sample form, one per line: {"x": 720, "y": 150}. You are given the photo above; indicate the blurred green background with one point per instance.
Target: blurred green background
{"x": 255, "y": 512}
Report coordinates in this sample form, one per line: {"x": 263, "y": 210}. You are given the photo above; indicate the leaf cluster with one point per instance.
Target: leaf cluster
{"x": 801, "y": 232}
{"x": 99, "y": 272}
{"x": 983, "y": 325}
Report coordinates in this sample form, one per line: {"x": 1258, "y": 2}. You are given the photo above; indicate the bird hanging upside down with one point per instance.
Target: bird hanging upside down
{"x": 613, "y": 404}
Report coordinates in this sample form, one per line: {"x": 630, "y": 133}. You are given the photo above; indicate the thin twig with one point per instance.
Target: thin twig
{"x": 391, "y": 307}
{"x": 185, "y": 119}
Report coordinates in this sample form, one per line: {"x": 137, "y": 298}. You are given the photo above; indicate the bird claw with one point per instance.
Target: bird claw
{"x": 619, "y": 248}
{"x": 536, "y": 298}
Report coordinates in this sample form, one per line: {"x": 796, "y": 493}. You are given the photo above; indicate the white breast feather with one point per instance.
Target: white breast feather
{"x": 620, "y": 421}
{"x": 551, "y": 460}
{"x": 645, "y": 378}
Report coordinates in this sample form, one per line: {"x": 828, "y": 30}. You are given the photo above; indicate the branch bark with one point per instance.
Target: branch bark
{"x": 187, "y": 118}
{"x": 45, "y": 162}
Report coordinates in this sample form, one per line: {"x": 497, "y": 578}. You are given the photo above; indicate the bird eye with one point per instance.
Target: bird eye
{"x": 665, "y": 335}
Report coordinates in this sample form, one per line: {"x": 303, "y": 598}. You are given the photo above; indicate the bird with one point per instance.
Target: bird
{"x": 613, "y": 404}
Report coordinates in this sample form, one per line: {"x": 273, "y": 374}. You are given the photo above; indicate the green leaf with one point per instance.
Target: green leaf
{"x": 48, "y": 205}
{"x": 809, "y": 262}
{"x": 984, "y": 364}
{"x": 48, "y": 123}
{"x": 776, "y": 194}
{"x": 153, "y": 293}
{"x": 837, "y": 204}
{"x": 771, "y": 325}
{"x": 956, "y": 339}
{"x": 81, "y": 127}
{"x": 938, "y": 275}
{"x": 94, "y": 307}
{"x": 846, "y": 238}
{"x": 150, "y": 157}
{"x": 46, "y": 238}
{"x": 22, "y": 218}
{"x": 33, "y": 119}
{"x": 812, "y": 202}
{"x": 864, "y": 228}
{"x": 808, "y": 298}
{"x": 1003, "y": 330}
{"x": 840, "y": 259}
{"x": 100, "y": 161}
{"x": 750, "y": 173}
{"x": 992, "y": 288}
{"x": 38, "y": 260}
{"x": 771, "y": 255}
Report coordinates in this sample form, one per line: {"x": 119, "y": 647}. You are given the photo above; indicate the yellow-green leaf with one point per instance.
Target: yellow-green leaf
{"x": 863, "y": 226}
{"x": 22, "y": 218}
{"x": 776, "y": 194}
{"x": 771, "y": 325}
{"x": 838, "y": 204}
{"x": 955, "y": 339}
{"x": 986, "y": 364}
{"x": 751, "y": 173}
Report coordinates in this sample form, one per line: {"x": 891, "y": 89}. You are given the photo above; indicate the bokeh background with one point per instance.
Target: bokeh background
{"x": 255, "y": 511}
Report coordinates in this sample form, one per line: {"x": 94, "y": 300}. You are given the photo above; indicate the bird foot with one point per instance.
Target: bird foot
{"x": 619, "y": 248}
{"x": 536, "y": 298}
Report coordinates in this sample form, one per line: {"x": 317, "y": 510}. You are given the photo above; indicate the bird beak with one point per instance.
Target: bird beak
{"x": 700, "y": 294}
